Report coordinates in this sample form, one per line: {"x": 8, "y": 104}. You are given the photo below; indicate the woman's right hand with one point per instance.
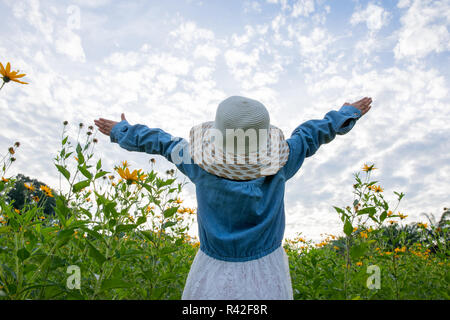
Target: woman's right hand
{"x": 105, "y": 126}
{"x": 363, "y": 105}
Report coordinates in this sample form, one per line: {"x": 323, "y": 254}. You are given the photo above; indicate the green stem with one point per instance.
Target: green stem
{"x": 2, "y": 85}
{"x": 347, "y": 266}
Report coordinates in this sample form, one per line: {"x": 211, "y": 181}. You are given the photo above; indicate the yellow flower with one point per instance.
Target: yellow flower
{"x": 363, "y": 234}
{"x": 125, "y": 164}
{"x": 336, "y": 248}
{"x": 29, "y": 187}
{"x": 402, "y": 249}
{"x": 402, "y": 216}
{"x": 9, "y": 75}
{"x": 354, "y": 229}
{"x": 377, "y": 189}
{"x": 4, "y": 179}
{"x": 131, "y": 176}
{"x": 422, "y": 225}
{"x": 36, "y": 198}
{"x": 195, "y": 244}
{"x": 367, "y": 168}
{"x": 17, "y": 211}
{"x": 392, "y": 221}
{"x": 389, "y": 213}
{"x": 359, "y": 263}
{"x": 47, "y": 191}
{"x": 388, "y": 253}
{"x": 178, "y": 201}
{"x": 11, "y": 150}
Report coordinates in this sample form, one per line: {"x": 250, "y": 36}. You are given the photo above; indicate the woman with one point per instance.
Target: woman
{"x": 240, "y": 190}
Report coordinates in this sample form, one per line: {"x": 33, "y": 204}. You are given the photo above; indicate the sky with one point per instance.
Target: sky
{"x": 167, "y": 64}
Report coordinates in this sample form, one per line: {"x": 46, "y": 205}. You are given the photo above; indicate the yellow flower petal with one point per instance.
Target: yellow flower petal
{"x": 19, "y": 81}
{"x": 2, "y": 70}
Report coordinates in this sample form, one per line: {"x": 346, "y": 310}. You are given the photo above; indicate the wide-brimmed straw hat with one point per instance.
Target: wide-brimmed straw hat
{"x": 240, "y": 144}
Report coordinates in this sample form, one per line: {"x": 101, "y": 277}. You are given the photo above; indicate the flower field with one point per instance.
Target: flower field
{"x": 123, "y": 234}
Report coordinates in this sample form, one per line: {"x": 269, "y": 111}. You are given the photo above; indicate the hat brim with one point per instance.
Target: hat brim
{"x": 209, "y": 155}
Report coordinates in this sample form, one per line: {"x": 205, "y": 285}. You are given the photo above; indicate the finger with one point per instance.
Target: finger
{"x": 123, "y": 116}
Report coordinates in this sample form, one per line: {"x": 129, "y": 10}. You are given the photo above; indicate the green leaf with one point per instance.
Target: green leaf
{"x": 85, "y": 172}
{"x": 359, "y": 250}
{"x": 148, "y": 235}
{"x": 93, "y": 233}
{"x": 5, "y": 230}
{"x": 169, "y": 224}
{"x": 125, "y": 227}
{"x": 64, "y": 234}
{"x": 95, "y": 254}
{"x": 64, "y": 171}
{"x": 80, "y": 185}
{"x": 368, "y": 210}
{"x": 61, "y": 209}
{"x": 23, "y": 254}
{"x": 115, "y": 283}
{"x": 339, "y": 210}
{"x": 170, "y": 212}
{"x": 65, "y": 140}
{"x": 100, "y": 174}
{"x": 78, "y": 148}
{"x": 99, "y": 164}
{"x": 348, "y": 228}
{"x": 109, "y": 209}
{"x": 383, "y": 216}
{"x": 141, "y": 220}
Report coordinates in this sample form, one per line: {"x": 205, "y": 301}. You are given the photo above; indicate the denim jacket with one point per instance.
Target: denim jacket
{"x": 239, "y": 220}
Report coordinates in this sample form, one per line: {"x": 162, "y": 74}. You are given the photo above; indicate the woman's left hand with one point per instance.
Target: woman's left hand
{"x": 105, "y": 125}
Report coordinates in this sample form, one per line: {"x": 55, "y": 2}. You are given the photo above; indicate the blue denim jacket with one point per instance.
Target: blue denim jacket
{"x": 239, "y": 220}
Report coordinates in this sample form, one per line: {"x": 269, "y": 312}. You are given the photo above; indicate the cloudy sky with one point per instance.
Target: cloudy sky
{"x": 167, "y": 64}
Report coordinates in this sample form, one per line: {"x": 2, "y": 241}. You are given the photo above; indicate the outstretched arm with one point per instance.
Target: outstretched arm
{"x": 310, "y": 135}
{"x": 150, "y": 140}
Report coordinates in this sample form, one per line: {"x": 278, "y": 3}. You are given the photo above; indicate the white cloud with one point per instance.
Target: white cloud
{"x": 206, "y": 51}
{"x": 424, "y": 30}
{"x": 69, "y": 43}
{"x": 374, "y": 16}
{"x": 188, "y": 33}
{"x": 92, "y": 3}
{"x": 403, "y": 3}
{"x": 252, "y": 6}
{"x": 303, "y": 8}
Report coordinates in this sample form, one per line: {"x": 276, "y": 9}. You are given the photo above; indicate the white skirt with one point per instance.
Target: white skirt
{"x": 266, "y": 278}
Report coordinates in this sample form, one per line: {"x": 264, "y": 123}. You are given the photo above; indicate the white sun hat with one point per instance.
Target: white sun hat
{"x": 253, "y": 147}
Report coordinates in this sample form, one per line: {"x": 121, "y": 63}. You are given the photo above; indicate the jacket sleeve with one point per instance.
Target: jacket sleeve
{"x": 310, "y": 135}
{"x": 141, "y": 138}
